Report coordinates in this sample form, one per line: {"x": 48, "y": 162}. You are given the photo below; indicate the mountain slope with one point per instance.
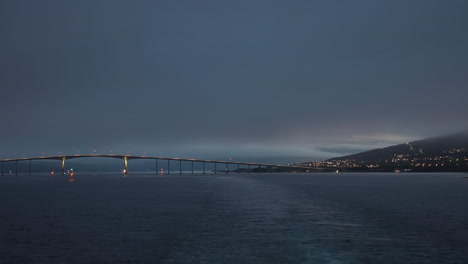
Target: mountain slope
{"x": 455, "y": 145}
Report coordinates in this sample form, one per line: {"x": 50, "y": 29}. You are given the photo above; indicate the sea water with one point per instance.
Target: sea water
{"x": 234, "y": 218}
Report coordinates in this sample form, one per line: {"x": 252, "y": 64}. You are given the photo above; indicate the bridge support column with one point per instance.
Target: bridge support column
{"x": 29, "y": 167}
{"x": 125, "y": 165}
{"x": 168, "y": 167}
{"x": 227, "y": 168}
{"x": 63, "y": 165}
{"x": 180, "y": 167}
{"x": 238, "y": 168}
{"x": 215, "y": 167}
{"x": 192, "y": 166}
{"x": 203, "y": 167}
{"x": 249, "y": 168}
{"x": 2, "y": 168}
{"x": 156, "y": 166}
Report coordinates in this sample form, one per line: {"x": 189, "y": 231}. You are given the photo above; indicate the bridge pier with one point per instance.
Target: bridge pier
{"x": 168, "y": 168}
{"x": 180, "y": 167}
{"x": 29, "y": 167}
{"x": 203, "y": 168}
{"x": 125, "y": 164}
{"x": 63, "y": 165}
{"x": 238, "y": 168}
{"x": 156, "y": 166}
{"x": 2, "y": 168}
{"x": 227, "y": 168}
{"x": 192, "y": 167}
{"x": 215, "y": 167}
{"x": 16, "y": 168}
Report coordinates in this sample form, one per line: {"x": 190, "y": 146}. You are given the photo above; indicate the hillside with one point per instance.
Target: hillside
{"x": 455, "y": 145}
{"x": 447, "y": 153}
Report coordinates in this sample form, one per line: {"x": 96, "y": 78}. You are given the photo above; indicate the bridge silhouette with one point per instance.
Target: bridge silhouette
{"x": 126, "y": 158}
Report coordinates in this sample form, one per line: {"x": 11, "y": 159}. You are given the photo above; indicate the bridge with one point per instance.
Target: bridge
{"x": 126, "y": 158}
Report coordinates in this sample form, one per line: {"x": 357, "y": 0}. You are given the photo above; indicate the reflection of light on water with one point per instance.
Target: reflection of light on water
{"x": 72, "y": 177}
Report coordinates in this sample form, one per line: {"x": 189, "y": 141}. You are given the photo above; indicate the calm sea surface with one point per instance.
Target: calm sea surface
{"x": 235, "y": 218}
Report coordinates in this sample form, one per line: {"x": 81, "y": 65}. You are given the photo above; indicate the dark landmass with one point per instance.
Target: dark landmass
{"x": 447, "y": 153}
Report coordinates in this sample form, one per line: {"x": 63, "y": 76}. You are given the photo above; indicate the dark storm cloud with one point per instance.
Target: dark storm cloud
{"x": 249, "y": 77}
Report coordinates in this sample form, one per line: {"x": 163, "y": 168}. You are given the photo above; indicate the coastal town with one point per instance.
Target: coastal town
{"x": 454, "y": 159}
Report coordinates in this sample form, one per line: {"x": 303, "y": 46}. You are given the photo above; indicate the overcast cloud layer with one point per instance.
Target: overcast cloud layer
{"x": 219, "y": 79}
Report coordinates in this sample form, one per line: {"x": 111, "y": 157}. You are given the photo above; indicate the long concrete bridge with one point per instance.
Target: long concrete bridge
{"x": 126, "y": 158}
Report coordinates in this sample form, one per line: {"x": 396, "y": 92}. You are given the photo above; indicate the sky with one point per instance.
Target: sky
{"x": 245, "y": 79}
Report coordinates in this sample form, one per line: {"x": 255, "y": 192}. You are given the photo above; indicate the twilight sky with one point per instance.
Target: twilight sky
{"x": 297, "y": 80}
